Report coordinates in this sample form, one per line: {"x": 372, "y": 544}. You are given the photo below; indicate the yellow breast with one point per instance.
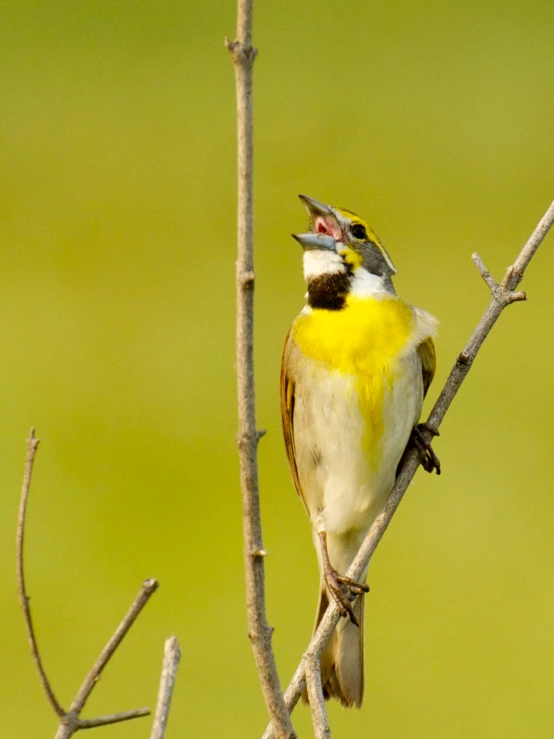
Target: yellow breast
{"x": 367, "y": 333}
{"x": 363, "y": 340}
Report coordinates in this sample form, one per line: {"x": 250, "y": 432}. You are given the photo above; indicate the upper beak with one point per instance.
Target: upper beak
{"x": 315, "y": 208}
{"x": 315, "y": 241}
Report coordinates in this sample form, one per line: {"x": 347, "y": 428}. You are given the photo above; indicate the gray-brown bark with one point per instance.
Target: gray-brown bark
{"x": 172, "y": 656}
{"x": 259, "y": 631}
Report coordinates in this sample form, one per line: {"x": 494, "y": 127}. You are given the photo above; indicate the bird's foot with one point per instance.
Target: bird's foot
{"x": 343, "y": 589}
{"x": 429, "y": 460}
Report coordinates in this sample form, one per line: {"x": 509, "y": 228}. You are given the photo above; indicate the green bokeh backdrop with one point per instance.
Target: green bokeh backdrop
{"x": 117, "y": 204}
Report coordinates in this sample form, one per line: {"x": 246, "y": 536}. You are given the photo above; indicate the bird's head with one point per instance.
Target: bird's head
{"x": 342, "y": 252}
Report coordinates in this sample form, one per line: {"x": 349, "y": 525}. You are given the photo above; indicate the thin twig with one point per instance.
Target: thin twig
{"x": 502, "y": 295}
{"x": 71, "y": 722}
{"x": 243, "y": 55}
{"x": 148, "y": 588}
{"x": 114, "y": 718}
{"x": 32, "y": 444}
{"x": 172, "y": 655}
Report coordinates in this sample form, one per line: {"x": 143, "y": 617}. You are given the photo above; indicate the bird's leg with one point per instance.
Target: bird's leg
{"x": 429, "y": 460}
{"x": 342, "y": 588}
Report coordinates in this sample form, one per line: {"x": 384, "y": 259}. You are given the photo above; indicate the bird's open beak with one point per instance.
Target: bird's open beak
{"x": 316, "y": 241}
{"x": 323, "y": 219}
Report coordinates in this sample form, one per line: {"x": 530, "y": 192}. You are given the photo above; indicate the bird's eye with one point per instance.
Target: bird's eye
{"x": 358, "y": 231}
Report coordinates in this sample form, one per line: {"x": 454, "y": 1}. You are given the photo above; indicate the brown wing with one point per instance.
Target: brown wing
{"x": 426, "y": 351}
{"x": 287, "y": 417}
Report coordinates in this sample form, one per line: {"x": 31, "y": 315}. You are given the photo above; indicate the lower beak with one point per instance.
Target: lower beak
{"x": 316, "y": 241}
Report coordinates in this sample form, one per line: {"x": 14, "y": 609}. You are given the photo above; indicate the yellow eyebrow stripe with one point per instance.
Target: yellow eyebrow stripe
{"x": 356, "y": 219}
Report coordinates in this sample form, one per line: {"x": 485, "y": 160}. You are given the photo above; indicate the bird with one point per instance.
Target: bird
{"x": 357, "y": 364}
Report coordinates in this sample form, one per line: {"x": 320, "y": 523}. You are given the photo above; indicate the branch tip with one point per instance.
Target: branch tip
{"x": 32, "y": 446}
{"x": 484, "y": 272}
{"x": 171, "y": 658}
{"x": 151, "y": 585}
{"x": 32, "y": 441}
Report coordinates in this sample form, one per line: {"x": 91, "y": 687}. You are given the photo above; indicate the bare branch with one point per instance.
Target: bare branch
{"x": 485, "y": 274}
{"x": 322, "y": 730}
{"x": 70, "y": 721}
{"x": 32, "y": 445}
{"x": 148, "y": 588}
{"x": 172, "y": 655}
{"x": 501, "y": 296}
{"x": 114, "y": 718}
{"x": 528, "y": 251}
{"x": 243, "y": 55}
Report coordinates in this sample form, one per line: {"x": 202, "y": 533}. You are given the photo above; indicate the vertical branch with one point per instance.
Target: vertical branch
{"x": 320, "y": 723}
{"x": 172, "y": 655}
{"x": 243, "y": 55}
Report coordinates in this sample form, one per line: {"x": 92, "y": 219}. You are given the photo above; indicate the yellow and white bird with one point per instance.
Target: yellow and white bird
{"x": 357, "y": 363}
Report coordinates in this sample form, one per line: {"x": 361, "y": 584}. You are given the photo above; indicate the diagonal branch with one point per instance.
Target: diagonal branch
{"x": 71, "y": 722}
{"x": 502, "y": 295}
{"x": 259, "y": 631}
{"x": 148, "y": 588}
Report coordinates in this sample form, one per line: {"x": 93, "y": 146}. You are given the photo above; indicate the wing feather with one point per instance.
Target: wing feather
{"x": 287, "y": 416}
{"x": 428, "y": 357}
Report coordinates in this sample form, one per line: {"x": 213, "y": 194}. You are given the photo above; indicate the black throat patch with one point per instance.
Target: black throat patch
{"x": 329, "y": 291}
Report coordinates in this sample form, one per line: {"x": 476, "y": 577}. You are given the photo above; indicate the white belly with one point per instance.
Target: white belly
{"x": 344, "y": 488}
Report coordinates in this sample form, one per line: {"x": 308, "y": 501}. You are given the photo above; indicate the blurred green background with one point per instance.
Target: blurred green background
{"x": 433, "y": 120}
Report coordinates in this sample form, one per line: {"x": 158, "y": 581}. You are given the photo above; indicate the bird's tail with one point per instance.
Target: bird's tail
{"x": 342, "y": 660}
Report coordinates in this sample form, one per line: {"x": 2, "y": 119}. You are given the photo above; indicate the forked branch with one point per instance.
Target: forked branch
{"x": 502, "y": 295}
{"x": 70, "y": 720}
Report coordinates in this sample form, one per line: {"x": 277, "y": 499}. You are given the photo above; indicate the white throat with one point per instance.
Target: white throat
{"x": 365, "y": 284}
{"x": 319, "y": 262}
